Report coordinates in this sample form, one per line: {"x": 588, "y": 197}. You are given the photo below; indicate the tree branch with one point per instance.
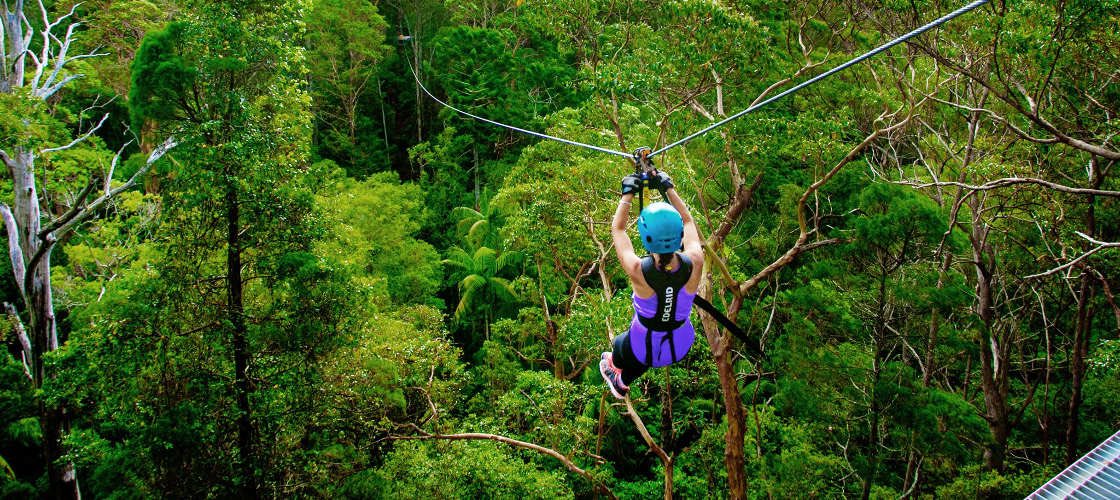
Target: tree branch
{"x": 90, "y": 209}
{"x": 113, "y": 167}
{"x": 612, "y": 115}
{"x": 21, "y": 334}
{"x": 666, "y": 460}
{"x": 44, "y": 60}
{"x": 602, "y": 258}
{"x": 723, "y": 271}
{"x": 46, "y": 93}
{"x": 802, "y": 243}
{"x": 743, "y": 197}
{"x": 75, "y": 209}
{"x": 424, "y": 436}
{"x": 1012, "y": 181}
{"x": 1109, "y": 295}
{"x": 15, "y": 254}
{"x": 1101, "y": 245}
{"x": 1018, "y": 131}
{"x": 1036, "y": 118}
{"x": 64, "y": 47}
{"x": 80, "y": 139}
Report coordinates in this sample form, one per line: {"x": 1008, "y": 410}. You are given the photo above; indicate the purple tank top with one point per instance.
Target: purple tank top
{"x": 663, "y": 345}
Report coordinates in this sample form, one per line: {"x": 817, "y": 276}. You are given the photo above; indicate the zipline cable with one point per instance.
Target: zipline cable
{"x": 874, "y": 52}
{"x": 511, "y": 127}
{"x": 932, "y": 24}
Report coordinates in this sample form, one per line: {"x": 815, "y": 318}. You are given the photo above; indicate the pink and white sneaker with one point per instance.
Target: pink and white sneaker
{"x": 612, "y": 375}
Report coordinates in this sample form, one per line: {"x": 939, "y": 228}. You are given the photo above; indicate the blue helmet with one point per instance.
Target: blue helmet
{"x": 661, "y": 228}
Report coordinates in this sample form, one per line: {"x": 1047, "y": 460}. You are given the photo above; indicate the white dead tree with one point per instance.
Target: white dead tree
{"x": 33, "y": 68}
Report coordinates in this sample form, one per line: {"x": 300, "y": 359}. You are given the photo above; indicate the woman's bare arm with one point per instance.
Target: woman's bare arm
{"x": 691, "y": 241}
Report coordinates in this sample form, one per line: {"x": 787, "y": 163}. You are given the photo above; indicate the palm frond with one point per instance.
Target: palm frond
{"x": 7, "y": 469}
{"x": 472, "y": 283}
{"x": 503, "y": 289}
{"x": 479, "y": 231}
{"x": 470, "y": 291}
{"x": 486, "y": 260}
{"x": 509, "y": 260}
{"x": 466, "y": 213}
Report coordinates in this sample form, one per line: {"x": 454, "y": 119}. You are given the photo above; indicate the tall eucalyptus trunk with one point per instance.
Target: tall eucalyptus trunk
{"x": 32, "y": 231}
{"x": 29, "y": 248}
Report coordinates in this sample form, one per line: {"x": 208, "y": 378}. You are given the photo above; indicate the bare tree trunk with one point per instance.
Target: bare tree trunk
{"x": 61, "y": 482}
{"x": 1077, "y": 367}
{"x": 733, "y": 456}
{"x": 879, "y": 333}
{"x": 1083, "y": 328}
{"x": 30, "y": 237}
{"x": 30, "y": 253}
{"x": 11, "y": 72}
{"x": 30, "y": 256}
{"x": 993, "y": 356}
{"x": 419, "y": 101}
{"x": 947, "y": 260}
{"x": 384, "y": 125}
{"x": 235, "y": 297}
{"x": 1045, "y": 419}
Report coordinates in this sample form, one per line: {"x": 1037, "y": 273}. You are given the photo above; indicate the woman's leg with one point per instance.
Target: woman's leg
{"x": 624, "y": 358}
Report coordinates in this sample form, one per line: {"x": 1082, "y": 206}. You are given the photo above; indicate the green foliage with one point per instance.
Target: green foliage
{"x": 975, "y": 483}
{"x": 1101, "y": 418}
{"x": 374, "y": 226}
{"x": 499, "y": 74}
{"x": 345, "y": 45}
{"x": 23, "y": 121}
{"x": 478, "y": 295}
{"x": 398, "y": 367}
{"x": 479, "y": 227}
{"x": 457, "y": 469}
{"x": 161, "y": 75}
{"x": 20, "y": 432}
{"x": 485, "y": 289}
{"x": 557, "y": 192}
{"x": 117, "y": 29}
{"x": 895, "y": 221}
{"x": 445, "y": 180}
{"x": 483, "y": 274}
{"x": 557, "y": 414}
{"x": 29, "y": 124}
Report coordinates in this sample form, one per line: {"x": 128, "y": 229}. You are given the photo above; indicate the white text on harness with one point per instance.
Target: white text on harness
{"x": 668, "y": 309}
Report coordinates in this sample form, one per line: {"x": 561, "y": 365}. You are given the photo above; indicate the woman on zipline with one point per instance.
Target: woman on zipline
{"x": 664, "y": 284}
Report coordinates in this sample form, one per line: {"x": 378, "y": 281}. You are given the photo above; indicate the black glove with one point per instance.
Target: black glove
{"x": 660, "y": 181}
{"x": 631, "y": 183}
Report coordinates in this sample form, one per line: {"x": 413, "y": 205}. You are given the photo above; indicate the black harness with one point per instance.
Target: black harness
{"x": 667, "y": 287}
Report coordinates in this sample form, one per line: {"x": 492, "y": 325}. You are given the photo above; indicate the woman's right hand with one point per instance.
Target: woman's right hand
{"x": 660, "y": 181}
